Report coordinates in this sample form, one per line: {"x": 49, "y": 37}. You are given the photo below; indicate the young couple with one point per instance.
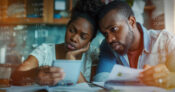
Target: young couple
{"x": 127, "y": 43}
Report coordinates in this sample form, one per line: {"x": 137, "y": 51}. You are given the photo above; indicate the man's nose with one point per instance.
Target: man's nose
{"x": 110, "y": 38}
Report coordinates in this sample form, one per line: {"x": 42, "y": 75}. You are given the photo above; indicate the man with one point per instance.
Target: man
{"x": 128, "y": 43}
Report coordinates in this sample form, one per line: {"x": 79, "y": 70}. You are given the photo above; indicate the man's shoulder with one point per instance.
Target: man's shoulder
{"x": 160, "y": 39}
{"x": 104, "y": 44}
{"x": 160, "y": 34}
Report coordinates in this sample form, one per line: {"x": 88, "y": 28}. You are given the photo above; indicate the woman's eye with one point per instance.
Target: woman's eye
{"x": 84, "y": 37}
{"x": 113, "y": 29}
{"x": 72, "y": 31}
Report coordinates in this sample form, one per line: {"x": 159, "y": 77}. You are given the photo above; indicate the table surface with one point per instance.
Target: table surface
{"x": 83, "y": 87}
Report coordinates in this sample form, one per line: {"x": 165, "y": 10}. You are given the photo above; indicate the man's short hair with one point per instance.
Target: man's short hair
{"x": 121, "y": 7}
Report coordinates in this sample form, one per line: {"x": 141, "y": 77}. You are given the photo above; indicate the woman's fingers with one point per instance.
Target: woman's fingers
{"x": 76, "y": 52}
{"x": 50, "y": 75}
{"x": 71, "y": 55}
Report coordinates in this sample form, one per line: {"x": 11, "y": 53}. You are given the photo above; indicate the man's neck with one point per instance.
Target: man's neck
{"x": 137, "y": 39}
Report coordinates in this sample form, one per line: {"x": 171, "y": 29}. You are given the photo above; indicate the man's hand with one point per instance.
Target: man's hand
{"x": 49, "y": 75}
{"x": 158, "y": 75}
{"x": 71, "y": 55}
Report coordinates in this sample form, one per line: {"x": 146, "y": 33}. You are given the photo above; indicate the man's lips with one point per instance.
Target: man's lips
{"x": 116, "y": 46}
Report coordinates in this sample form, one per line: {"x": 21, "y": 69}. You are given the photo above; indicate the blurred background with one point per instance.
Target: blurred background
{"x": 26, "y": 24}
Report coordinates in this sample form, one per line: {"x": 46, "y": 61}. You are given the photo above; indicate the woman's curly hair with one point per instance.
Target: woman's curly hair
{"x": 88, "y": 6}
{"x": 87, "y": 9}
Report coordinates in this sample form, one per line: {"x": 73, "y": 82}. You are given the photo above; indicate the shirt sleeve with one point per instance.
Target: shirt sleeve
{"x": 170, "y": 62}
{"x": 106, "y": 62}
{"x": 106, "y": 58}
{"x": 44, "y": 54}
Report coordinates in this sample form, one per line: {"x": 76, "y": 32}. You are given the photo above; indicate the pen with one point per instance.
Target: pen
{"x": 96, "y": 85}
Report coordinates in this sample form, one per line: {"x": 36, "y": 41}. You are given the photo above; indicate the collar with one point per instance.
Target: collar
{"x": 146, "y": 38}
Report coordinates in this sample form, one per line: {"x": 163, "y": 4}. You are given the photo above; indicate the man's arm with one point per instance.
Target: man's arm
{"x": 106, "y": 62}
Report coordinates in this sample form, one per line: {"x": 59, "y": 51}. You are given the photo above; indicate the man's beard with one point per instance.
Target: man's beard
{"x": 129, "y": 40}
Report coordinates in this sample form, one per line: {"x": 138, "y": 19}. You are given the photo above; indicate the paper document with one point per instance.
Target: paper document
{"x": 120, "y": 72}
{"x": 72, "y": 70}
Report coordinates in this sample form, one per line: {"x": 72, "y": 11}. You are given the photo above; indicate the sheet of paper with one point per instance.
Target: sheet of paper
{"x": 120, "y": 72}
{"x": 72, "y": 70}
{"x": 31, "y": 88}
{"x": 81, "y": 87}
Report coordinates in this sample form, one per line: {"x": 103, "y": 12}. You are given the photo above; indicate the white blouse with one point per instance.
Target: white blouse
{"x": 45, "y": 55}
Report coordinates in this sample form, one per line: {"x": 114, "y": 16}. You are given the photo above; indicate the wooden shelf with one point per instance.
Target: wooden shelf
{"x": 61, "y": 21}
{"x": 149, "y": 8}
{"x": 48, "y": 13}
{"x": 21, "y": 20}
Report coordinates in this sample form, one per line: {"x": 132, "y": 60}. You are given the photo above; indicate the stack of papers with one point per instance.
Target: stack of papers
{"x": 120, "y": 72}
{"x": 125, "y": 79}
{"x": 121, "y": 75}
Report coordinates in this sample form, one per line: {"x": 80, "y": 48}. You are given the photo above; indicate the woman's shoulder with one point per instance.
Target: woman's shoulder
{"x": 45, "y": 47}
{"x": 50, "y": 45}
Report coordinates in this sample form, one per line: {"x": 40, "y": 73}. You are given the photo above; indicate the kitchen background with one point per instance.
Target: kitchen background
{"x": 25, "y": 24}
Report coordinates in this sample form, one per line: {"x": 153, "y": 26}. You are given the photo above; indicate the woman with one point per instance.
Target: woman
{"x": 81, "y": 29}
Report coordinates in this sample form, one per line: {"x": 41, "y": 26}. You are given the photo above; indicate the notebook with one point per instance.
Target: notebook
{"x": 72, "y": 71}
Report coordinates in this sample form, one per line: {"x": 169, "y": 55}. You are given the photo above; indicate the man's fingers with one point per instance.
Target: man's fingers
{"x": 154, "y": 76}
{"x": 154, "y": 69}
{"x": 146, "y": 66}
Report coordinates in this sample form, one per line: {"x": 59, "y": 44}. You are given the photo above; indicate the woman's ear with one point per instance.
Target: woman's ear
{"x": 132, "y": 21}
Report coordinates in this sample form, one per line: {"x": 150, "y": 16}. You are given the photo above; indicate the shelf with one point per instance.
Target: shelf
{"x": 62, "y": 21}
{"x": 48, "y": 13}
{"x": 21, "y": 20}
{"x": 149, "y": 8}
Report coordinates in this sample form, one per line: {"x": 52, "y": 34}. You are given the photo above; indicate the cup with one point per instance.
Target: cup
{"x": 5, "y": 73}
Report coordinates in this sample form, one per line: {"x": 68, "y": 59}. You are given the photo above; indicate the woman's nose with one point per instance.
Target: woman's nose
{"x": 74, "y": 38}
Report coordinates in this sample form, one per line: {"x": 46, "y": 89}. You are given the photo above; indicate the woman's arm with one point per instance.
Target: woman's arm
{"x": 25, "y": 72}
{"x": 81, "y": 78}
{"x": 29, "y": 72}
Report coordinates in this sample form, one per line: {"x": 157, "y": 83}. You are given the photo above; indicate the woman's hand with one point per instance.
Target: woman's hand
{"x": 158, "y": 75}
{"x": 71, "y": 55}
{"x": 49, "y": 75}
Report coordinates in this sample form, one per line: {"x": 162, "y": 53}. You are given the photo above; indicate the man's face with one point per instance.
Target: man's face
{"x": 117, "y": 31}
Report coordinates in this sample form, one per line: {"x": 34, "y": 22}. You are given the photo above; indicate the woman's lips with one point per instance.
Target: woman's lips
{"x": 71, "y": 47}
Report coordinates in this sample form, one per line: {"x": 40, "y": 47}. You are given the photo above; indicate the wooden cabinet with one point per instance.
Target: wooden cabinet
{"x": 22, "y": 18}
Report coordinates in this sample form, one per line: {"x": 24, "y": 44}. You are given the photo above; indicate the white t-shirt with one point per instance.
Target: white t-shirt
{"x": 45, "y": 55}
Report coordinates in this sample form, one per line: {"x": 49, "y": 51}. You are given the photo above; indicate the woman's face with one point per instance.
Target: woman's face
{"x": 79, "y": 33}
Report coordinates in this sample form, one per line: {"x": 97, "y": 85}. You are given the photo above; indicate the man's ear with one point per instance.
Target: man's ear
{"x": 132, "y": 21}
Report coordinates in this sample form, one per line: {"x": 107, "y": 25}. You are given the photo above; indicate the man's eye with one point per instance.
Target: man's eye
{"x": 113, "y": 29}
{"x": 105, "y": 34}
